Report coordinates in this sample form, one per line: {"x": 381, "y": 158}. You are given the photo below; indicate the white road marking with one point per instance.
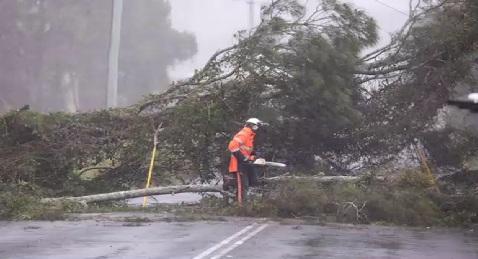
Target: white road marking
{"x": 224, "y": 242}
{"x": 240, "y": 242}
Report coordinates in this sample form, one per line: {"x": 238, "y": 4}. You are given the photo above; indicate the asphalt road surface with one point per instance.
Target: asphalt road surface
{"x": 230, "y": 238}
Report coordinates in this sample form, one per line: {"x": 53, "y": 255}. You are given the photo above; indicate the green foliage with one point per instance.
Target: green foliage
{"x": 435, "y": 57}
{"x": 23, "y": 150}
{"x": 149, "y": 45}
{"x": 460, "y": 210}
{"x": 51, "y": 149}
{"x": 295, "y": 71}
{"x": 415, "y": 179}
{"x": 318, "y": 97}
{"x": 191, "y": 139}
{"x": 22, "y": 203}
{"x": 402, "y": 206}
{"x": 400, "y": 202}
{"x": 298, "y": 199}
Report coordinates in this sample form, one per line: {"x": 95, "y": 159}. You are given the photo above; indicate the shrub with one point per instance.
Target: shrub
{"x": 415, "y": 179}
{"x": 402, "y": 202}
{"x": 20, "y": 206}
{"x": 298, "y": 199}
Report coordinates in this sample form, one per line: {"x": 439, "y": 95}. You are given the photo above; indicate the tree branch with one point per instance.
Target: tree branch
{"x": 319, "y": 179}
{"x": 194, "y": 80}
{"x": 94, "y": 168}
{"x": 383, "y": 71}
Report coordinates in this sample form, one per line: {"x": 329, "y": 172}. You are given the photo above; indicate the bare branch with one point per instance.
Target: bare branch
{"x": 94, "y": 168}
{"x": 383, "y": 71}
{"x": 156, "y": 134}
{"x": 403, "y": 34}
{"x": 195, "y": 80}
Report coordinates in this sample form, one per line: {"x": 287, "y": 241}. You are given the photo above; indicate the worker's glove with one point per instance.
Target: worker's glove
{"x": 249, "y": 159}
{"x": 259, "y": 161}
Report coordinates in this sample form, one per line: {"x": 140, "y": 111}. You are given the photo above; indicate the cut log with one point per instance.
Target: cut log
{"x": 194, "y": 188}
{"x": 320, "y": 179}
{"x": 137, "y": 193}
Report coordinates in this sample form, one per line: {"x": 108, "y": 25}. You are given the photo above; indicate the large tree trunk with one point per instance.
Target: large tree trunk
{"x": 193, "y": 188}
{"x": 137, "y": 193}
{"x": 320, "y": 179}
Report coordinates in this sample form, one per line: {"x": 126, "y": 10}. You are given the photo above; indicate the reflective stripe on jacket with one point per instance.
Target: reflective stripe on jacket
{"x": 243, "y": 141}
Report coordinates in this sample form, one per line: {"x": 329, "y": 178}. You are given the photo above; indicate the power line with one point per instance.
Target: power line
{"x": 391, "y": 7}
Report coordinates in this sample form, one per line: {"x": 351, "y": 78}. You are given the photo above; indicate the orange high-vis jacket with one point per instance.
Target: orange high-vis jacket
{"x": 243, "y": 141}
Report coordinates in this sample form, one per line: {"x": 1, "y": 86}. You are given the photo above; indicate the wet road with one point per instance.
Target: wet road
{"x": 233, "y": 238}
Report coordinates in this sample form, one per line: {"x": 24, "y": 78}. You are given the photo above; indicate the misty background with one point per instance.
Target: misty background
{"x": 54, "y": 53}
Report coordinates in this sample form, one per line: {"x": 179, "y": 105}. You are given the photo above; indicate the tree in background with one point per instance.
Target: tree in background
{"x": 305, "y": 73}
{"x": 296, "y": 71}
{"x": 301, "y": 71}
{"x": 148, "y": 47}
{"x": 410, "y": 80}
{"x": 54, "y": 53}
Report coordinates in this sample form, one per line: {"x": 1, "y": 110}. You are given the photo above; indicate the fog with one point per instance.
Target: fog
{"x": 54, "y": 53}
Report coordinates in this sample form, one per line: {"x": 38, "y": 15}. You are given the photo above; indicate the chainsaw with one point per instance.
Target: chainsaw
{"x": 263, "y": 162}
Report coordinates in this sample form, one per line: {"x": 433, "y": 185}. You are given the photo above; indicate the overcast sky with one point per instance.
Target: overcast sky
{"x": 215, "y": 21}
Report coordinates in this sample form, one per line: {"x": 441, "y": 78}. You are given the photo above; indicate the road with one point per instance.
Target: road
{"x": 229, "y": 238}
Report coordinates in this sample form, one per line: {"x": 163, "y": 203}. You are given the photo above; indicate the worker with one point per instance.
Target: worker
{"x": 243, "y": 160}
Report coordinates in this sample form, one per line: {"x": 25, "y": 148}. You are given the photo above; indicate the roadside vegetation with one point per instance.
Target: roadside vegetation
{"x": 408, "y": 200}
{"x": 333, "y": 108}
{"x": 411, "y": 198}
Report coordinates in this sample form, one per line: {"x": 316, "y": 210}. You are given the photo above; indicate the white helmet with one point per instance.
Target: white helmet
{"x": 254, "y": 121}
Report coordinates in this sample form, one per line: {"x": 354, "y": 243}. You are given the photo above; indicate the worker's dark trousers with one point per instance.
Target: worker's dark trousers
{"x": 231, "y": 183}
{"x": 250, "y": 174}
{"x": 248, "y": 178}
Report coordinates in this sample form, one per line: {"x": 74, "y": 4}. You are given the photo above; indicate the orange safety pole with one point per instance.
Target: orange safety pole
{"x": 239, "y": 189}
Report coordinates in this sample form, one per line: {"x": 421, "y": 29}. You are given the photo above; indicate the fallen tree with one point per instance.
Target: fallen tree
{"x": 320, "y": 179}
{"x": 191, "y": 188}
{"x": 137, "y": 193}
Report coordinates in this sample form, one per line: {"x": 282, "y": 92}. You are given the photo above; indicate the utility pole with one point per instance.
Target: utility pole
{"x": 113, "y": 57}
{"x": 252, "y": 5}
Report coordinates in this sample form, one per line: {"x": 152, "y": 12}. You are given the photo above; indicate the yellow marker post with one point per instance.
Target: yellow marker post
{"x": 150, "y": 173}
{"x": 151, "y": 164}
{"x": 424, "y": 162}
